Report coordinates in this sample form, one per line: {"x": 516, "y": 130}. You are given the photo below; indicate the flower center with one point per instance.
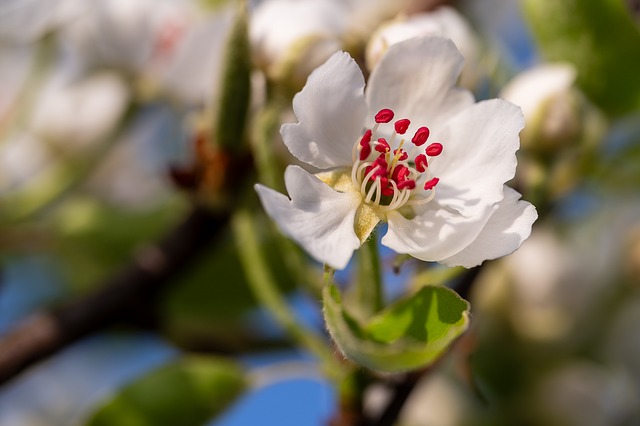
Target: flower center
{"x": 387, "y": 178}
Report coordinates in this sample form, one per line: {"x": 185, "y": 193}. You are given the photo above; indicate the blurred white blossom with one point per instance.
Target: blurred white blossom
{"x": 549, "y": 103}
{"x": 444, "y": 21}
{"x": 290, "y": 38}
{"x": 77, "y": 113}
{"x": 170, "y": 47}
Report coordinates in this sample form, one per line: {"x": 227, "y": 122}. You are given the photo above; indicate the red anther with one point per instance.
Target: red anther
{"x": 365, "y": 151}
{"x": 388, "y": 191}
{"x": 402, "y": 125}
{"x": 382, "y": 145}
{"x": 381, "y": 168}
{"x": 409, "y": 184}
{"x": 434, "y": 149}
{"x": 385, "y": 188}
{"x": 421, "y": 163}
{"x": 431, "y": 183}
{"x": 421, "y": 136}
{"x": 366, "y": 138}
{"x": 402, "y": 154}
{"x": 400, "y": 173}
{"x": 382, "y": 164}
{"x": 384, "y": 116}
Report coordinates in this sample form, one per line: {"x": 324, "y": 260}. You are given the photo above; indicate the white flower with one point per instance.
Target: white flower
{"x": 550, "y": 105}
{"x": 444, "y": 201}
{"x": 78, "y": 113}
{"x": 445, "y": 22}
{"x": 290, "y": 38}
{"x": 173, "y": 48}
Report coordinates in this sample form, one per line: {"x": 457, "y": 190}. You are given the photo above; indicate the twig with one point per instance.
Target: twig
{"x": 120, "y": 299}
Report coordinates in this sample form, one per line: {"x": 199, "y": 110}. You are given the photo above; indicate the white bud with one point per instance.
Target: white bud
{"x": 552, "y": 107}
{"x": 443, "y": 22}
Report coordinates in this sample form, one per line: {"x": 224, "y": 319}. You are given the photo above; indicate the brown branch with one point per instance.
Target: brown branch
{"x": 119, "y": 299}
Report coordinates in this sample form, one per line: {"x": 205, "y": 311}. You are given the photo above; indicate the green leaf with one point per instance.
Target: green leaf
{"x": 188, "y": 392}
{"x": 412, "y": 333}
{"x": 600, "y": 39}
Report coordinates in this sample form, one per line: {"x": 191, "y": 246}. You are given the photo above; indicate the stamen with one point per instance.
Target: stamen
{"x": 386, "y": 189}
{"x": 365, "y": 144}
{"x": 380, "y": 166}
{"x": 407, "y": 183}
{"x": 366, "y": 138}
{"x": 421, "y": 163}
{"x": 382, "y": 146}
{"x": 421, "y": 136}
{"x": 402, "y": 125}
{"x": 355, "y": 177}
{"x": 384, "y": 116}
{"x": 434, "y": 149}
{"x": 365, "y": 151}
{"x": 396, "y": 157}
{"x": 431, "y": 183}
{"x": 400, "y": 173}
{"x": 366, "y": 179}
{"x": 390, "y": 178}
{"x": 421, "y": 201}
{"x": 401, "y": 154}
{"x": 396, "y": 196}
{"x": 375, "y": 188}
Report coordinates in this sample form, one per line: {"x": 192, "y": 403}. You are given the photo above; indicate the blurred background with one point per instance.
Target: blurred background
{"x": 131, "y": 133}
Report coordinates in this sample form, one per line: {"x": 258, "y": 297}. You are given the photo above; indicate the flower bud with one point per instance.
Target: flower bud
{"x": 289, "y": 38}
{"x": 444, "y": 21}
{"x": 555, "y": 112}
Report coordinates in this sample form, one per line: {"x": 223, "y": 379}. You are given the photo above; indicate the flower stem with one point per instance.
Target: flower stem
{"x": 263, "y": 140}
{"x": 264, "y": 288}
{"x": 369, "y": 287}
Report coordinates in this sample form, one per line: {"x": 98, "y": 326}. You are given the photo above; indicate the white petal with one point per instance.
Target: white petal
{"x": 330, "y": 110}
{"x": 435, "y": 234}
{"x": 479, "y": 155}
{"x": 507, "y": 228}
{"x": 191, "y": 70}
{"x": 416, "y": 79}
{"x": 319, "y": 218}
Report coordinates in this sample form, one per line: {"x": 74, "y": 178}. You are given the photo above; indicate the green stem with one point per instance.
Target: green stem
{"x": 369, "y": 288}
{"x": 270, "y": 174}
{"x": 264, "y": 288}
{"x": 266, "y": 127}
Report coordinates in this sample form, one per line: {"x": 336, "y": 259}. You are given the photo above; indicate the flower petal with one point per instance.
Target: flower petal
{"x": 319, "y": 218}
{"x": 435, "y": 234}
{"x": 507, "y": 228}
{"x": 416, "y": 79}
{"x": 330, "y": 110}
{"x": 479, "y": 155}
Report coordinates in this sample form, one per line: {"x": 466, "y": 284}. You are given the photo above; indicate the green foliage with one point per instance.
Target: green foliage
{"x": 409, "y": 334}
{"x": 236, "y": 87}
{"x": 188, "y": 392}
{"x": 600, "y": 39}
{"x": 209, "y": 300}
{"x": 94, "y": 238}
